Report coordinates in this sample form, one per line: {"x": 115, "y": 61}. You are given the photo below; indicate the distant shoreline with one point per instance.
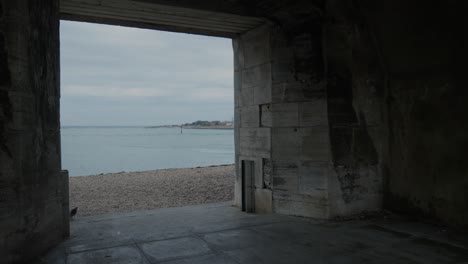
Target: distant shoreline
{"x": 185, "y": 127}
{"x": 227, "y": 128}
{"x": 193, "y": 127}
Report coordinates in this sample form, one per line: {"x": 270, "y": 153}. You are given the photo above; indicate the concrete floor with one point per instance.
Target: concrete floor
{"x": 219, "y": 233}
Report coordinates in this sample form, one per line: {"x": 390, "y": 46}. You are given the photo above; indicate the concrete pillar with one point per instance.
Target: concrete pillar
{"x": 31, "y": 189}
{"x": 252, "y": 90}
{"x": 282, "y": 120}
{"x": 295, "y": 121}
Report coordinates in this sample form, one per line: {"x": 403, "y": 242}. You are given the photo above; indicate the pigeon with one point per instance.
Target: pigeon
{"x": 73, "y": 212}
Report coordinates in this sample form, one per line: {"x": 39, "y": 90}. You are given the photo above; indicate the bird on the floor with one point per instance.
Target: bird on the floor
{"x": 73, "y": 212}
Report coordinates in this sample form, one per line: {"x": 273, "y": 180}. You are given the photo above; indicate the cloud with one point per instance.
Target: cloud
{"x": 102, "y": 91}
{"x": 125, "y": 67}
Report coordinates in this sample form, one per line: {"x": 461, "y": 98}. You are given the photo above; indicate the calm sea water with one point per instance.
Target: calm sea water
{"x": 94, "y": 150}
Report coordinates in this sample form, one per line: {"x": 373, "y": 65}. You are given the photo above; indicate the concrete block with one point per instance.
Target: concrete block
{"x": 262, "y": 93}
{"x": 257, "y": 47}
{"x": 23, "y": 120}
{"x": 8, "y": 170}
{"x": 280, "y": 46}
{"x": 246, "y": 96}
{"x": 8, "y": 205}
{"x": 258, "y": 181}
{"x": 266, "y": 115}
{"x": 282, "y": 71}
{"x": 297, "y": 91}
{"x": 18, "y": 142}
{"x": 285, "y": 176}
{"x": 55, "y": 223}
{"x": 352, "y": 191}
{"x": 286, "y": 144}
{"x": 257, "y": 75}
{"x": 237, "y": 119}
{"x": 342, "y": 140}
{"x": 17, "y": 48}
{"x": 314, "y": 113}
{"x": 300, "y": 205}
{"x": 315, "y": 144}
{"x": 237, "y": 88}
{"x": 237, "y": 46}
{"x": 301, "y": 144}
{"x": 285, "y": 115}
{"x": 255, "y": 142}
{"x": 286, "y": 180}
{"x": 237, "y": 136}
{"x": 250, "y": 116}
{"x": 303, "y": 46}
{"x": 21, "y": 102}
{"x": 238, "y": 192}
{"x": 263, "y": 201}
{"x": 313, "y": 178}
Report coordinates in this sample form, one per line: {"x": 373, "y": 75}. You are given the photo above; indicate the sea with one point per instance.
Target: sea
{"x": 96, "y": 150}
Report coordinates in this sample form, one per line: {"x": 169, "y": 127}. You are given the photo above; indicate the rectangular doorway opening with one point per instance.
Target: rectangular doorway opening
{"x": 146, "y": 117}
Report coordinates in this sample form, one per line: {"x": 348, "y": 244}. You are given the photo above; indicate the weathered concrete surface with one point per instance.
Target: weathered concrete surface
{"x": 252, "y": 86}
{"x": 31, "y": 189}
{"x": 213, "y": 18}
{"x": 428, "y": 172}
{"x": 397, "y": 102}
{"x": 354, "y": 114}
{"x": 322, "y": 162}
{"x": 221, "y": 234}
{"x": 365, "y": 111}
{"x": 342, "y": 106}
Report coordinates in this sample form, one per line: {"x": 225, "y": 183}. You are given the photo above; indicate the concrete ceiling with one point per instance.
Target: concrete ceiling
{"x": 222, "y": 18}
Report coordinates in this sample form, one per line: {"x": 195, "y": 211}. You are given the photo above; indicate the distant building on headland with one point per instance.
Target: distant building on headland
{"x": 203, "y": 125}
{"x": 209, "y": 125}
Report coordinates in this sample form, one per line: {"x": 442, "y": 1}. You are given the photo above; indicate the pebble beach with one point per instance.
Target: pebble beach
{"x": 132, "y": 191}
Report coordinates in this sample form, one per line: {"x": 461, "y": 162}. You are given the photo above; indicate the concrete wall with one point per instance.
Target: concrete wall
{"x": 427, "y": 107}
{"x": 355, "y": 106}
{"x": 396, "y": 68}
{"x": 252, "y": 88}
{"x": 313, "y": 154}
{"x": 299, "y": 123}
{"x": 355, "y": 96}
{"x": 31, "y": 187}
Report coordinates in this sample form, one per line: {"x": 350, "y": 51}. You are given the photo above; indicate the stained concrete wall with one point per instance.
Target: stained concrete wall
{"x": 298, "y": 113}
{"x": 31, "y": 187}
{"x": 355, "y": 96}
{"x": 396, "y": 67}
{"x": 427, "y": 109}
{"x": 313, "y": 156}
{"x": 353, "y": 106}
{"x": 252, "y": 88}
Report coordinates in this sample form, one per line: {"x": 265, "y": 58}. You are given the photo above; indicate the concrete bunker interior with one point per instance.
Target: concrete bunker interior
{"x": 341, "y": 107}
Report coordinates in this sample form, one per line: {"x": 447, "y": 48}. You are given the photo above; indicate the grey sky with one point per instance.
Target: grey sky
{"x": 127, "y": 76}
